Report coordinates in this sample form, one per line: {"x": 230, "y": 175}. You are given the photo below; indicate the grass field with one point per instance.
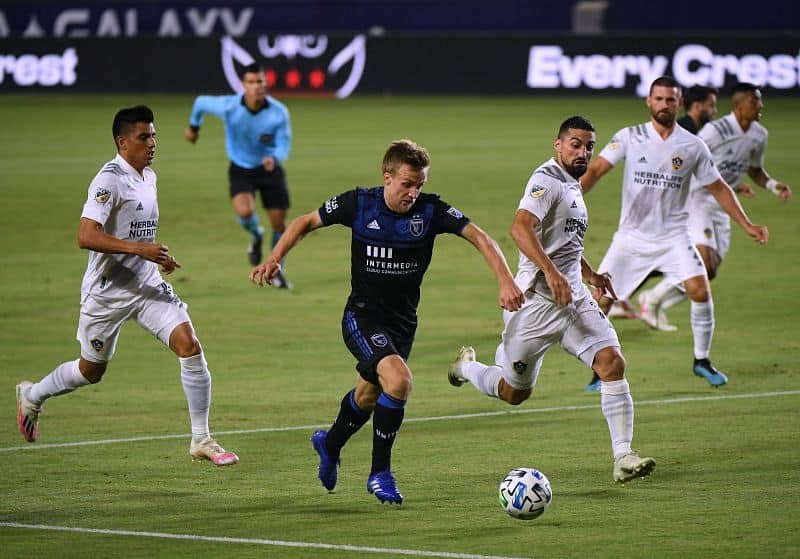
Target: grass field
{"x": 111, "y": 476}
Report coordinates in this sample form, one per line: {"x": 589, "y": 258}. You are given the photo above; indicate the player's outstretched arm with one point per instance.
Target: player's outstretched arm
{"x": 91, "y": 236}
{"x": 597, "y": 169}
{"x": 511, "y": 297}
{"x": 728, "y": 201}
{"x": 297, "y": 229}
{"x": 761, "y": 178}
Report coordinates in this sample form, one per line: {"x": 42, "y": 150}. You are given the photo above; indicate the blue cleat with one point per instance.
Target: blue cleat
{"x": 593, "y": 386}
{"x": 383, "y": 486}
{"x": 704, "y": 368}
{"x": 328, "y": 468}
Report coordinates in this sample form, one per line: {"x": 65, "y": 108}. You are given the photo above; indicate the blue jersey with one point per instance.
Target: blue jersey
{"x": 390, "y": 252}
{"x": 249, "y": 136}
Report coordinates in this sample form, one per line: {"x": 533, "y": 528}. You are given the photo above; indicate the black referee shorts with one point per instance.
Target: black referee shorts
{"x": 270, "y": 185}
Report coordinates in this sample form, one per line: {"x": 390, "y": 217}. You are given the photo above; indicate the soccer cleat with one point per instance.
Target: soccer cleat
{"x": 593, "y": 386}
{"x": 383, "y": 486}
{"x": 466, "y": 353}
{"x": 662, "y": 323}
{"x": 281, "y": 282}
{"x": 209, "y": 449}
{"x": 328, "y": 468}
{"x": 648, "y": 310}
{"x": 622, "y": 309}
{"x": 27, "y": 413}
{"x": 704, "y": 368}
{"x": 630, "y": 466}
{"x": 254, "y": 253}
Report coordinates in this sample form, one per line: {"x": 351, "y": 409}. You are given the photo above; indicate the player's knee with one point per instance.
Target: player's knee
{"x": 609, "y": 364}
{"x": 93, "y": 372}
{"x": 516, "y": 397}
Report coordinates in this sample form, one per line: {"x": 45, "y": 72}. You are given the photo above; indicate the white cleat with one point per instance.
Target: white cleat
{"x": 622, "y": 309}
{"x": 209, "y": 449}
{"x": 466, "y": 353}
{"x": 631, "y": 466}
{"x": 662, "y": 323}
{"x": 648, "y": 311}
{"x": 27, "y": 413}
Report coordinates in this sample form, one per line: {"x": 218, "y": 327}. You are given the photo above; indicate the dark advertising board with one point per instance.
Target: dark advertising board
{"x": 342, "y": 65}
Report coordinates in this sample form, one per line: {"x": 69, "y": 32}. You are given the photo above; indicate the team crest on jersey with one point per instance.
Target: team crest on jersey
{"x": 101, "y": 195}
{"x": 415, "y": 226}
{"x": 537, "y": 191}
{"x": 267, "y": 139}
{"x": 677, "y": 162}
{"x": 97, "y": 344}
{"x": 520, "y": 367}
{"x": 614, "y": 143}
{"x": 707, "y": 232}
{"x": 455, "y": 213}
{"x": 379, "y": 339}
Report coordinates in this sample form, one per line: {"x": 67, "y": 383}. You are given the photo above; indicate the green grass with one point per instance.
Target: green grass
{"x": 727, "y": 482}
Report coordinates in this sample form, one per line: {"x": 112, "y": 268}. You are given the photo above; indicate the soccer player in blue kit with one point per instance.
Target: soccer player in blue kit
{"x": 258, "y": 138}
{"x": 393, "y": 231}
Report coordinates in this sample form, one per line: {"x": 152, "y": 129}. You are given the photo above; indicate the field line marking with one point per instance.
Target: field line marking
{"x": 258, "y": 541}
{"x": 665, "y": 401}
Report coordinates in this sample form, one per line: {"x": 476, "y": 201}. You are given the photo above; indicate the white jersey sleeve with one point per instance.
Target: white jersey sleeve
{"x": 616, "y": 149}
{"x": 705, "y": 171}
{"x": 103, "y": 197}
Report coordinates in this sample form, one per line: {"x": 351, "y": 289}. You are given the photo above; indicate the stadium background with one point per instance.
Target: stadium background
{"x": 457, "y": 77}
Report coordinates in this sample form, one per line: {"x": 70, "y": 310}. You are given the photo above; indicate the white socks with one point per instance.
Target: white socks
{"x": 63, "y": 379}
{"x": 617, "y": 406}
{"x": 702, "y": 327}
{"x": 196, "y": 381}
{"x": 485, "y": 378}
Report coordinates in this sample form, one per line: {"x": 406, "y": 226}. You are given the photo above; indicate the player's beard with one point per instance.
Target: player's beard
{"x": 664, "y": 118}
{"x": 576, "y": 171}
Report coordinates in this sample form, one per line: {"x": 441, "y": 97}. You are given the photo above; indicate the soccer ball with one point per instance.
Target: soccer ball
{"x": 525, "y": 493}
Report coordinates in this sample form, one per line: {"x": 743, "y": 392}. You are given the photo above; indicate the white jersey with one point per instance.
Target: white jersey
{"x": 656, "y": 182}
{"x": 125, "y": 204}
{"x": 556, "y": 199}
{"x": 733, "y": 151}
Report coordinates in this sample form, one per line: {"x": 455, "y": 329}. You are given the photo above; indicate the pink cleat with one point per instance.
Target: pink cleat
{"x": 209, "y": 449}
{"x": 27, "y": 413}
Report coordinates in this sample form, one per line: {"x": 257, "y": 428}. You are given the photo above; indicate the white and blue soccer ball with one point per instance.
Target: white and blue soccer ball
{"x": 525, "y": 493}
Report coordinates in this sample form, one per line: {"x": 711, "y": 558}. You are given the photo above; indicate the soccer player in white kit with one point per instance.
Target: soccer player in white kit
{"x": 737, "y": 142}
{"x": 549, "y": 228}
{"x": 661, "y": 159}
{"x": 122, "y": 282}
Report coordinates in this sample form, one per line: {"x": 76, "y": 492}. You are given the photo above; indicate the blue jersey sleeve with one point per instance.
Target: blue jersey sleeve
{"x": 283, "y": 135}
{"x": 214, "y": 105}
{"x": 339, "y": 209}
{"x": 447, "y": 219}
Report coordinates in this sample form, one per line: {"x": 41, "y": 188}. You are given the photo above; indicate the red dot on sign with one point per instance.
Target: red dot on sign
{"x": 292, "y": 78}
{"x": 269, "y": 75}
{"x": 316, "y": 78}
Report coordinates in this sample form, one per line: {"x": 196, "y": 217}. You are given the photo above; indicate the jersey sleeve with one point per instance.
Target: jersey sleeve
{"x": 447, "y": 219}
{"x": 215, "y": 105}
{"x": 615, "y": 150}
{"x": 705, "y": 171}
{"x": 102, "y": 198}
{"x": 339, "y": 209}
{"x": 541, "y": 194}
{"x": 710, "y": 135}
{"x": 757, "y": 155}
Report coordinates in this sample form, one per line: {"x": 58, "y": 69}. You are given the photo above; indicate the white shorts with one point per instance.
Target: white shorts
{"x": 581, "y": 328}
{"x": 630, "y": 260}
{"x": 711, "y": 229}
{"x": 99, "y": 324}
